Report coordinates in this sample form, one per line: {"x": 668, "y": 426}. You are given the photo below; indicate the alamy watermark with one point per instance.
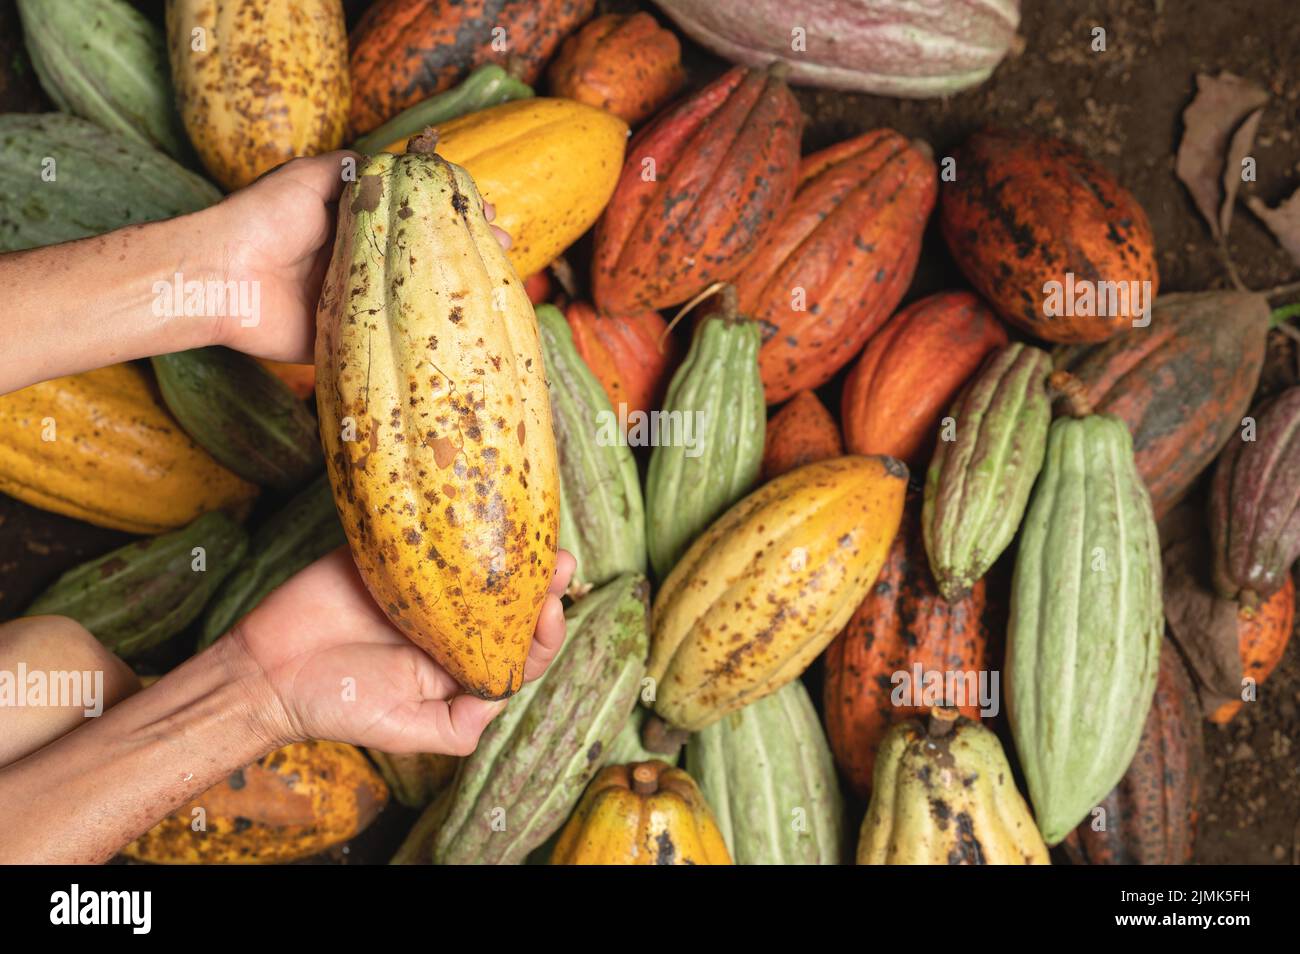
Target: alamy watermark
{"x": 1084, "y": 298}
{"x": 651, "y": 429}
{"x": 919, "y": 687}
{"x": 192, "y": 299}
{"x": 54, "y": 688}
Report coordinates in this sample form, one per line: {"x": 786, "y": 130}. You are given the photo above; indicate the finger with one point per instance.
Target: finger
{"x": 453, "y": 727}
{"x": 565, "y": 565}
{"x": 547, "y": 640}
{"x": 503, "y": 237}
{"x": 322, "y": 174}
{"x": 489, "y": 210}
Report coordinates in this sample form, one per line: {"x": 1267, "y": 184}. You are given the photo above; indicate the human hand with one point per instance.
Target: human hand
{"x": 321, "y": 634}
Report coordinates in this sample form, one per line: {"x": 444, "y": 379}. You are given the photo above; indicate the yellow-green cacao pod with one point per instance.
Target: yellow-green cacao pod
{"x": 1083, "y": 643}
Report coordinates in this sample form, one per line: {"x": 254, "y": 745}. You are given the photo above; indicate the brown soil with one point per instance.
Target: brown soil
{"x": 1124, "y": 108}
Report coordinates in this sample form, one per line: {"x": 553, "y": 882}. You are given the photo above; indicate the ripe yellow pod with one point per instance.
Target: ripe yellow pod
{"x": 641, "y": 814}
{"x": 435, "y": 418}
{"x": 295, "y": 802}
{"x": 547, "y": 165}
{"x": 101, "y": 447}
{"x": 258, "y": 83}
{"x": 764, "y": 589}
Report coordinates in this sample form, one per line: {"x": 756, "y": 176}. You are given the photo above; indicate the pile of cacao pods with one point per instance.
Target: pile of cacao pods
{"x": 975, "y": 529}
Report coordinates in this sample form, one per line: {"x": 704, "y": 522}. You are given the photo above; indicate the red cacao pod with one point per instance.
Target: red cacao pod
{"x": 632, "y": 356}
{"x": 801, "y": 432}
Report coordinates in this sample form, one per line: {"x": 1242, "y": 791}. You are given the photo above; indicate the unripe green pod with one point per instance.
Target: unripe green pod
{"x": 719, "y": 388}
{"x": 140, "y": 595}
{"x": 1083, "y": 642}
{"x": 978, "y": 484}
{"x": 602, "y": 517}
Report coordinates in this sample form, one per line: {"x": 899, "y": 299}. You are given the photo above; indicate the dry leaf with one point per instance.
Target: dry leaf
{"x": 1283, "y": 222}
{"x": 1242, "y": 140}
{"x": 1220, "y": 105}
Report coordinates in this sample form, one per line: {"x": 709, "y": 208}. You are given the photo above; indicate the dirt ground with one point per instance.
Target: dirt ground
{"x": 1124, "y": 108}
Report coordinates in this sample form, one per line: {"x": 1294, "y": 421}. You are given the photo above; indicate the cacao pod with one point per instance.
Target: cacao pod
{"x": 415, "y": 780}
{"x": 624, "y": 64}
{"x": 1086, "y": 620}
{"x": 943, "y": 794}
{"x": 302, "y": 532}
{"x": 451, "y": 396}
{"x": 538, "y": 755}
{"x": 759, "y": 595}
{"x": 1262, "y": 639}
{"x": 100, "y": 446}
{"x": 903, "y": 625}
{"x": 632, "y": 356}
{"x": 978, "y": 483}
{"x": 417, "y": 847}
{"x": 293, "y": 803}
{"x": 406, "y": 50}
{"x": 801, "y": 432}
{"x": 104, "y": 181}
{"x": 763, "y": 770}
{"x": 242, "y": 414}
{"x": 1149, "y": 818}
{"x": 269, "y": 82}
{"x": 105, "y": 61}
{"x": 887, "y": 47}
{"x": 1027, "y": 215}
{"x": 140, "y": 595}
{"x": 715, "y": 404}
{"x": 602, "y": 517}
{"x": 724, "y": 163}
{"x": 1254, "y": 518}
{"x": 627, "y": 745}
{"x": 641, "y": 814}
{"x": 910, "y": 372}
{"x": 836, "y": 265}
{"x": 1181, "y": 385}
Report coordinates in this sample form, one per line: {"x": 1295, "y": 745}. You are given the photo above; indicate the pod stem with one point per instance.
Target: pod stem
{"x": 658, "y": 736}
{"x": 1249, "y": 602}
{"x": 424, "y": 144}
{"x": 645, "y": 778}
{"x": 942, "y": 721}
{"x": 1072, "y": 391}
{"x": 687, "y": 308}
{"x": 779, "y": 70}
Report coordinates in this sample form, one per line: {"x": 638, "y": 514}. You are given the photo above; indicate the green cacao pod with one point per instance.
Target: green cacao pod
{"x": 100, "y": 181}
{"x": 306, "y": 529}
{"x": 602, "y": 518}
{"x": 943, "y": 794}
{"x": 533, "y": 762}
{"x": 105, "y": 61}
{"x": 713, "y": 456}
{"x": 1083, "y": 642}
{"x": 241, "y": 414}
{"x": 978, "y": 483}
{"x": 1255, "y": 504}
{"x": 767, "y": 773}
{"x": 142, "y": 594}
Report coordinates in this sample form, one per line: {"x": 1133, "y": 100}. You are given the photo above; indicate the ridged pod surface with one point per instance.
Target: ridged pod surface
{"x": 114, "y": 458}
{"x": 435, "y": 419}
{"x": 301, "y": 532}
{"x": 269, "y": 83}
{"x": 801, "y": 432}
{"x": 1083, "y": 641}
{"x": 1025, "y": 211}
{"x": 538, "y": 755}
{"x": 602, "y": 517}
{"x": 768, "y": 775}
{"x": 415, "y": 779}
{"x": 1262, "y": 636}
{"x": 632, "y": 355}
{"x": 724, "y": 164}
{"x": 887, "y": 47}
{"x": 944, "y": 795}
{"x": 1150, "y": 816}
{"x": 1181, "y": 385}
{"x": 641, "y": 814}
{"x": 241, "y": 413}
{"x": 547, "y": 165}
{"x": 709, "y": 450}
{"x": 836, "y": 265}
{"x": 625, "y": 64}
{"x": 1254, "y": 514}
{"x": 910, "y": 371}
{"x": 294, "y": 803}
{"x": 105, "y": 61}
{"x": 103, "y": 181}
{"x": 759, "y": 595}
{"x": 902, "y": 623}
{"x": 978, "y": 483}
{"x": 140, "y": 595}
{"x": 405, "y": 50}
